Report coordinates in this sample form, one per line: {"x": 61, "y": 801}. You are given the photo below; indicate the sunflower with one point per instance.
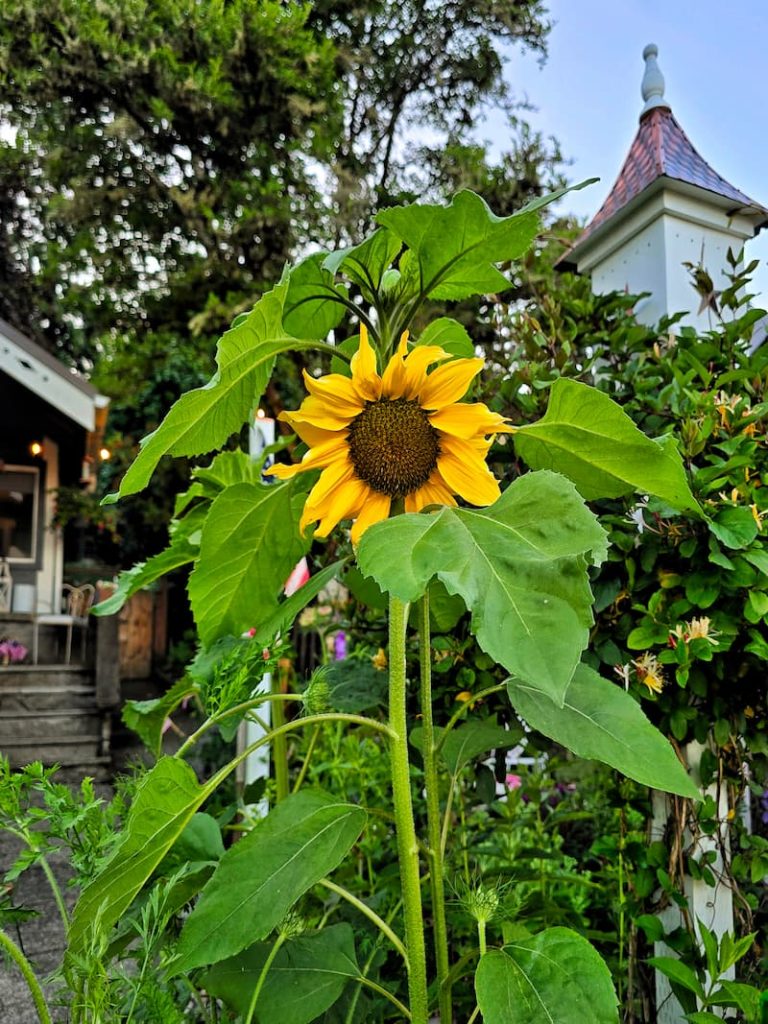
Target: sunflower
{"x": 399, "y": 436}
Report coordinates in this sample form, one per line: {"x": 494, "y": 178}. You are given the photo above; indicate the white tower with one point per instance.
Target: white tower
{"x": 667, "y": 207}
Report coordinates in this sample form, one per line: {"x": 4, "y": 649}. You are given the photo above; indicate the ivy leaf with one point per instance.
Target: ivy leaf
{"x": 366, "y": 263}
{"x": 520, "y": 566}
{"x": 586, "y": 436}
{"x": 306, "y": 977}
{"x": 457, "y": 245}
{"x": 556, "y": 977}
{"x": 203, "y": 418}
{"x": 250, "y": 544}
{"x": 312, "y": 304}
{"x": 599, "y": 720}
{"x": 735, "y": 527}
{"x": 259, "y": 879}
{"x": 166, "y": 799}
{"x": 449, "y": 335}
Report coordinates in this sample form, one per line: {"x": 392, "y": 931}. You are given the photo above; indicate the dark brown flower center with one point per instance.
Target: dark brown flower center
{"x": 393, "y": 446}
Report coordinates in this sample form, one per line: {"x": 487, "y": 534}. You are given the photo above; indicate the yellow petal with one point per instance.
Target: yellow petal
{"x": 416, "y": 363}
{"x": 309, "y": 435}
{"x": 449, "y": 383}
{"x": 374, "y": 509}
{"x": 465, "y": 473}
{"x": 433, "y": 492}
{"x": 317, "y": 458}
{"x": 333, "y": 477}
{"x": 319, "y": 413}
{"x": 468, "y": 421}
{"x": 393, "y": 379}
{"x": 342, "y": 504}
{"x": 335, "y": 389}
{"x": 365, "y": 376}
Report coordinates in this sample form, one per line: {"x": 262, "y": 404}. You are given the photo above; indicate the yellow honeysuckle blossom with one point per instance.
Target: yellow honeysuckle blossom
{"x": 650, "y": 672}
{"x": 401, "y": 435}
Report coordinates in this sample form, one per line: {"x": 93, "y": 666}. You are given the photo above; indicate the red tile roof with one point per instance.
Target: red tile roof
{"x": 662, "y": 149}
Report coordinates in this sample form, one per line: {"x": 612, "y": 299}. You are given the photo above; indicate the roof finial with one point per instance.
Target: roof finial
{"x": 653, "y": 81}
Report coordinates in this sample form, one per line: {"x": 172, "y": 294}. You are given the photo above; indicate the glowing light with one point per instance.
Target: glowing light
{"x": 105, "y": 454}
{"x": 261, "y": 414}
{"x": 36, "y": 449}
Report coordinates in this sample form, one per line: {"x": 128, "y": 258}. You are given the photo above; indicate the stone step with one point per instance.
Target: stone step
{"x": 47, "y": 698}
{"x": 28, "y": 727}
{"x": 23, "y": 677}
{"x": 71, "y": 751}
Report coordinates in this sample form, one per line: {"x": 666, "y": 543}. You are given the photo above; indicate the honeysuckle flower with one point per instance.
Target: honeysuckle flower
{"x": 399, "y": 436}
{"x": 696, "y": 629}
{"x": 649, "y": 671}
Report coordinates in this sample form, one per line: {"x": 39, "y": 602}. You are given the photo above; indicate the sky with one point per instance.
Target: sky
{"x": 587, "y": 95}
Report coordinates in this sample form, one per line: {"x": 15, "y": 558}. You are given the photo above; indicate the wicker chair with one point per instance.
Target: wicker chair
{"x": 76, "y": 606}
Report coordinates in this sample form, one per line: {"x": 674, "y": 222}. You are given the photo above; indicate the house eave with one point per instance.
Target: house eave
{"x": 31, "y": 366}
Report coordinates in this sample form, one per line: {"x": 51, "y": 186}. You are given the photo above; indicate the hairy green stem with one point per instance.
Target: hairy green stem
{"x": 280, "y": 745}
{"x": 56, "y": 890}
{"x": 431, "y": 784}
{"x": 370, "y": 914}
{"x": 407, "y": 846}
{"x": 481, "y": 937}
{"x": 263, "y": 976}
{"x": 13, "y": 951}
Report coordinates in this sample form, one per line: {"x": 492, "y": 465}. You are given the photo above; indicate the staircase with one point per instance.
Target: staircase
{"x": 49, "y": 713}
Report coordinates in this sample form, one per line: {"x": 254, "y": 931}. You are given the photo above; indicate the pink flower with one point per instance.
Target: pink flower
{"x": 513, "y": 781}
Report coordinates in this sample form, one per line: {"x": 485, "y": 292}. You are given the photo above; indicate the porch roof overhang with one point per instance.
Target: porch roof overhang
{"x": 42, "y": 373}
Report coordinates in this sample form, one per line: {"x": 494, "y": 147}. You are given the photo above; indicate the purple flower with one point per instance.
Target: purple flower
{"x": 12, "y": 651}
{"x": 340, "y": 645}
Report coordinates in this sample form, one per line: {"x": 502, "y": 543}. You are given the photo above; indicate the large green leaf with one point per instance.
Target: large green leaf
{"x": 556, "y": 977}
{"x": 249, "y": 546}
{"x": 586, "y": 436}
{"x": 306, "y": 977}
{"x": 520, "y": 566}
{"x": 600, "y": 720}
{"x": 260, "y": 878}
{"x": 203, "y": 418}
{"x": 166, "y": 799}
{"x": 449, "y": 335}
{"x": 313, "y": 305}
{"x": 365, "y": 264}
{"x": 287, "y": 610}
{"x": 457, "y": 245}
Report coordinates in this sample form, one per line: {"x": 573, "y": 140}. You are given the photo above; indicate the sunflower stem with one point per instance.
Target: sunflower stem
{"x": 434, "y": 823}
{"x": 407, "y": 845}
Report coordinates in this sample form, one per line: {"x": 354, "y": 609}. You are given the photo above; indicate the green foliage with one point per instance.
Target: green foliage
{"x": 306, "y": 977}
{"x": 554, "y": 978}
{"x": 262, "y": 876}
{"x": 599, "y": 720}
{"x": 519, "y": 565}
{"x": 250, "y": 543}
{"x": 589, "y": 439}
{"x": 165, "y": 801}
